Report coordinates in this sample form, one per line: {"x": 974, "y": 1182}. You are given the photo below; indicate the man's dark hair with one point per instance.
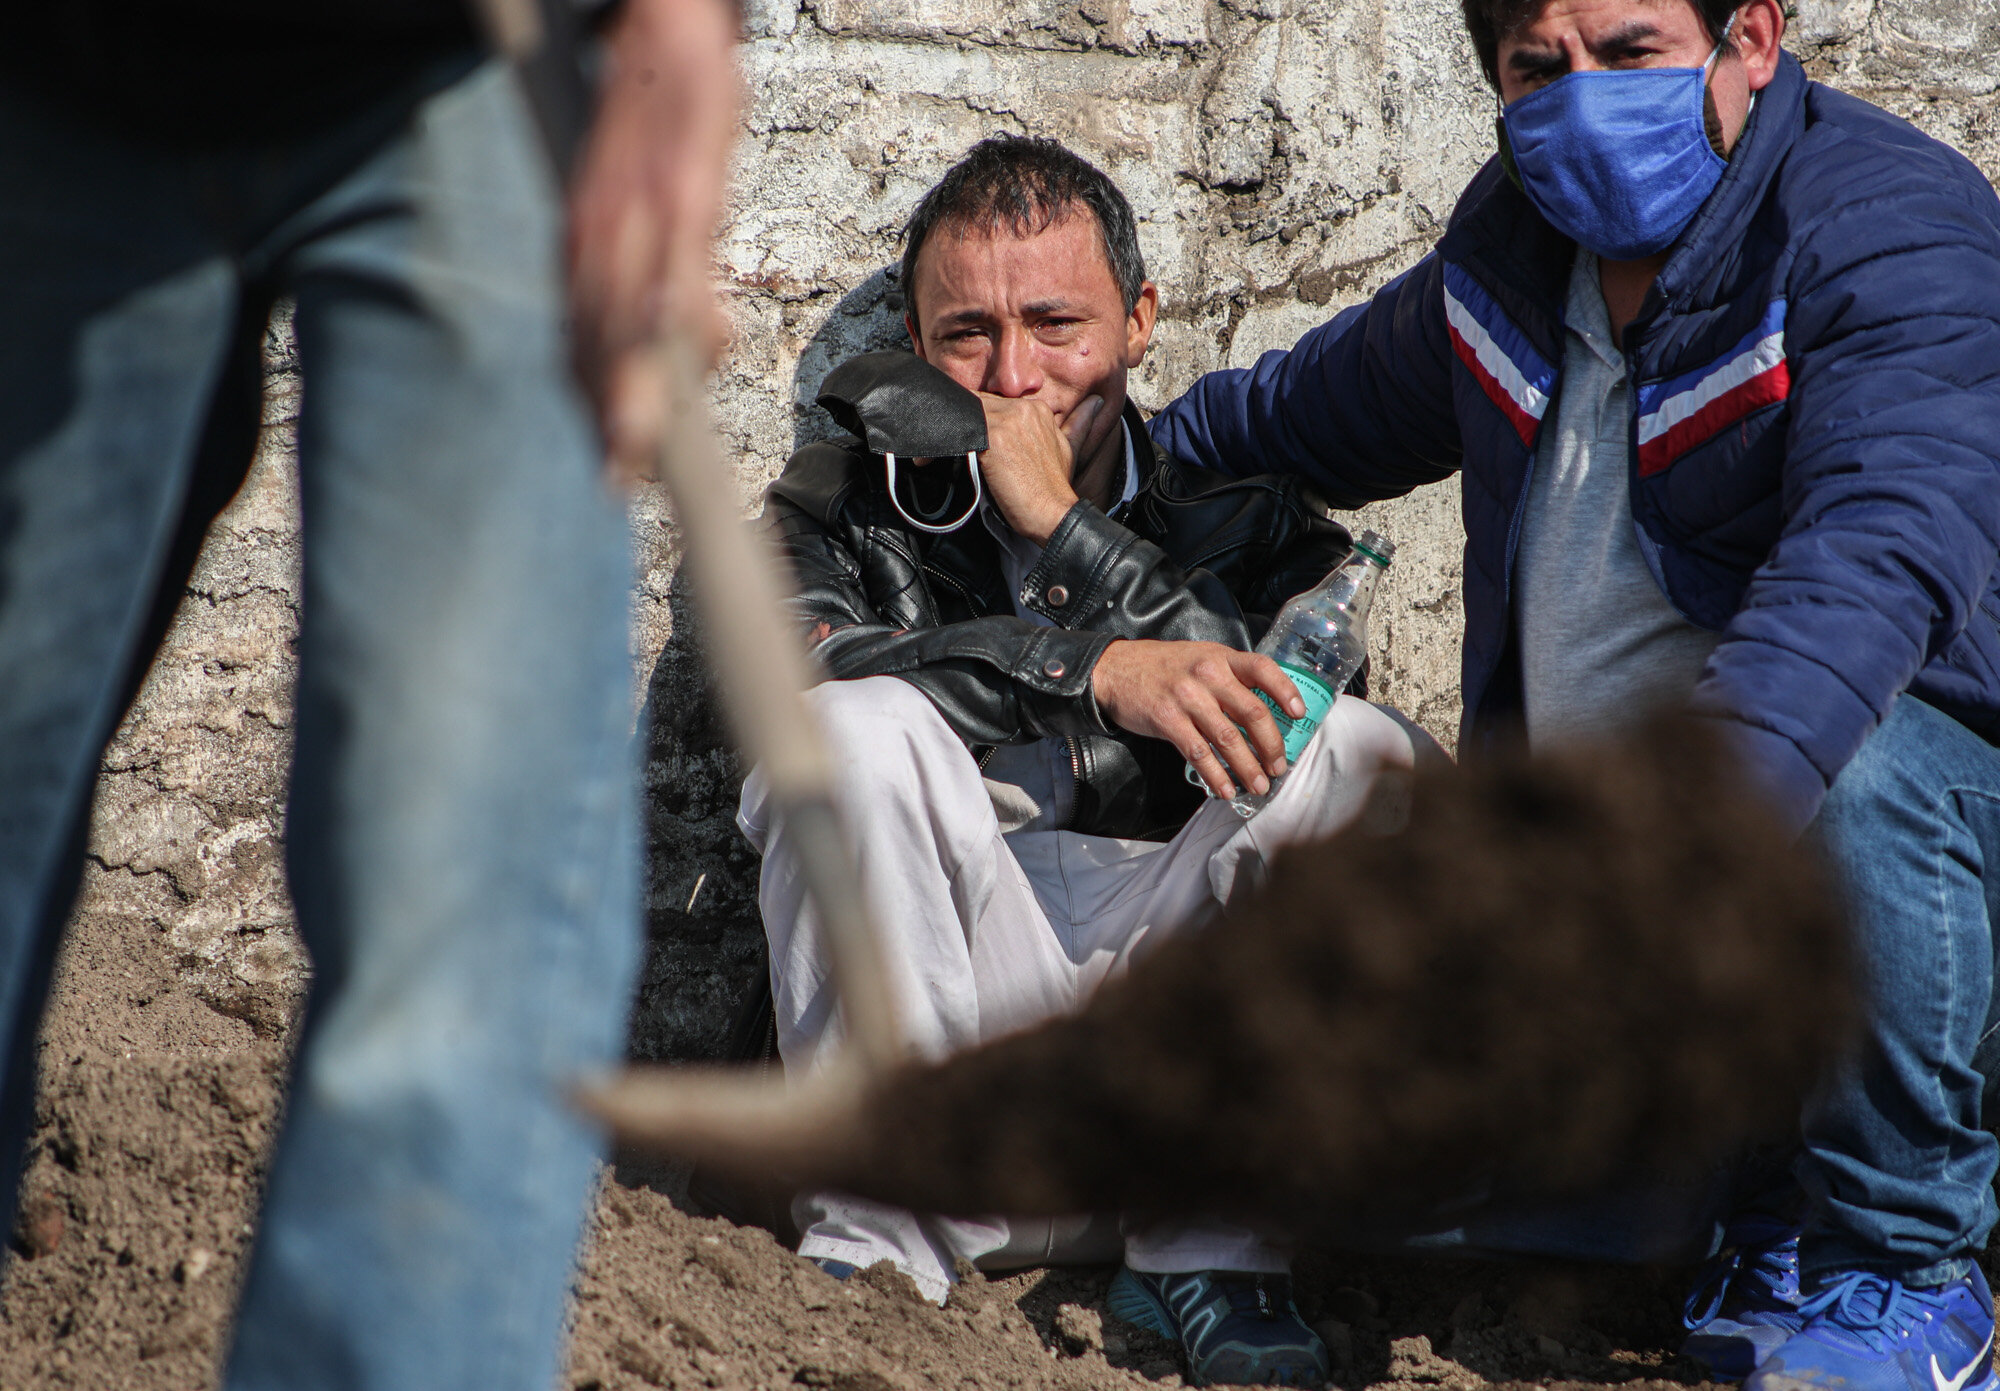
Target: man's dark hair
{"x": 1026, "y": 183}
{"x": 1493, "y": 20}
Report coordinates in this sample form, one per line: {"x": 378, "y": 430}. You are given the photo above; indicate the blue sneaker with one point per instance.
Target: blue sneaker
{"x": 838, "y": 1269}
{"x": 1745, "y": 1301}
{"x": 1865, "y": 1332}
{"x": 1239, "y": 1329}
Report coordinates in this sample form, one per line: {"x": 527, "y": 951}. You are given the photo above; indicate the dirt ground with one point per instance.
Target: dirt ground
{"x": 157, "y": 1107}
{"x": 672, "y": 1300}
{"x": 155, "y": 1115}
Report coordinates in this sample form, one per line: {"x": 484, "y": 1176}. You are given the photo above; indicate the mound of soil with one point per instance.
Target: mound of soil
{"x": 153, "y": 1124}
{"x": 667, "y": 1299}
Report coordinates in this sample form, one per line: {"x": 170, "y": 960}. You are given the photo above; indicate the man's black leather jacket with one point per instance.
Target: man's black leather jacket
{"x": 1195, "y": 554}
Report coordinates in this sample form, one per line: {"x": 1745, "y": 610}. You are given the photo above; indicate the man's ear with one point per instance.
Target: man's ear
{"x": 916, "y": 339}
{"x": 1139, "y": 324}
{"x": 1760, "y": 30}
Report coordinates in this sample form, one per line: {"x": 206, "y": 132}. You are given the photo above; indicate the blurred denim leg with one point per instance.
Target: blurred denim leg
{"x": 463, "y": 829}
{"x": 1896, "y": 1162}
{"x": 1658, "y": 1221}
{"x": 128, "y": 368}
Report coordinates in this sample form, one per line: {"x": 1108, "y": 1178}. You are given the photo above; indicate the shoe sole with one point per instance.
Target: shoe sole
{"x": 1733, "y": 1357}
{"x": 1781, "y": 1382}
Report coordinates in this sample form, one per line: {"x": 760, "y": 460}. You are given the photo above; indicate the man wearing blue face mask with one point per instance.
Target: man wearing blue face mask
{"x": 1717, "y": 351}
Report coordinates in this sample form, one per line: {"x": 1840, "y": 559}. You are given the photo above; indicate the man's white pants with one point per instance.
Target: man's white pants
{"x": 986, "y": 934}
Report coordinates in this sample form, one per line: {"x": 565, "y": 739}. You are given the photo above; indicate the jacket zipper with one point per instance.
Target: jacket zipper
{"x": 1074, "y": 744}
{"x": 1075, "y": 779}
{"x": 1075, "y": 747}
{"x": 1649, "y": 549}
{"x": 970, "y": 598}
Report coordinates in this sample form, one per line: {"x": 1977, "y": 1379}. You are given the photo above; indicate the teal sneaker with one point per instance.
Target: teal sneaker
{"x": 1238, "y": 1329}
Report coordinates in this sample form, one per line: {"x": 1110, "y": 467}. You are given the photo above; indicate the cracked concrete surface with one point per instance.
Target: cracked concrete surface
{"x": 1284, "y": 158}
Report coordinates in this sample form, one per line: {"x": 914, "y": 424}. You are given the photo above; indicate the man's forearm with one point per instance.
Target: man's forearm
{"x": 1097, "y": 576}
{"x": 1361, "y": 406}
{"x": 995, "y": 680}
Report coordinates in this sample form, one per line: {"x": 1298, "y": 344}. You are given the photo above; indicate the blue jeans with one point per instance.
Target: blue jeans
{"x": 1895, "y": 1160}
{"x": 462, "y": 824}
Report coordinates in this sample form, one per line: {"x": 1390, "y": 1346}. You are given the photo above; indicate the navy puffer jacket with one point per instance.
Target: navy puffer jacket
{"x": 1816, "y": 425}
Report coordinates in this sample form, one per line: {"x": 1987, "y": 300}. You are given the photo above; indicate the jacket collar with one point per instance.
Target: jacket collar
{"x": 1775, "y": 124}
{"x": 1146, "y": 455}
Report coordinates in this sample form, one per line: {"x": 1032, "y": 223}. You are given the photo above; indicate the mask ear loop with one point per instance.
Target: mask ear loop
{"x": 1713, "y": 52}
{"x": 978, "y": 494}
{"x": 1711, "y": 119}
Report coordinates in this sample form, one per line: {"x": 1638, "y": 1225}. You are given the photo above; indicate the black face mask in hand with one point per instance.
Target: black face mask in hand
{"x": 902, "y": 408}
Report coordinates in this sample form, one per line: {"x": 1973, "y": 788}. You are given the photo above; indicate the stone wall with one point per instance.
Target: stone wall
{"x": 188, "y": 833}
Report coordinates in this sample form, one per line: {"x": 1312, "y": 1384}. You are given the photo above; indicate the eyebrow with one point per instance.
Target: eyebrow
{"x": 1039, "y": 309}
{"x": 1625, "y": 35}
{"x": 1526, "y": 59}
{"x": 1531, "y": 58}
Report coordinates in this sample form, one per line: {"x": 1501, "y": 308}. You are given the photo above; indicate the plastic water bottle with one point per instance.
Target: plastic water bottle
{"x": 1320, "y": 638}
